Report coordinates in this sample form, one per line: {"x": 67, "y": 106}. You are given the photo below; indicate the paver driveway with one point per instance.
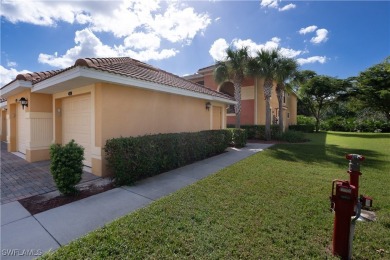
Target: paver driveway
{"x": 21, "y": 179}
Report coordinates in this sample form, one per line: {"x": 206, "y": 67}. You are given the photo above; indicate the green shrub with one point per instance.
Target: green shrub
{"x": 305, "y": 120}
{"x": 135, "y": 158}
{"x": 239, "y": 137}
{"x": 292, "y": 136}
{"x": 66, "y": 166}
{"x": 303, "y": 128}
{"x": 339, "y": 123}
{"x": 258, "y": 131}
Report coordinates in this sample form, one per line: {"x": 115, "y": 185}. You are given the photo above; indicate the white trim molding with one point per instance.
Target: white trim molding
{"x": 15, "y": 87}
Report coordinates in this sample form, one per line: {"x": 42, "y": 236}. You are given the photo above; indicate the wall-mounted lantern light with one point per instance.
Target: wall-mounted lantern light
{"x": 208, "y": 105}
{"x": 23, "y": 102}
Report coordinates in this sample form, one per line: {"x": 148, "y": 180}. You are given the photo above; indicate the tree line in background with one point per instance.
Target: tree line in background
{"x": 360, "y": 103}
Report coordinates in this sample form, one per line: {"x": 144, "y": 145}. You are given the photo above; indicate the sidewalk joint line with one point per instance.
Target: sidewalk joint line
{"x": 47, "y": 231}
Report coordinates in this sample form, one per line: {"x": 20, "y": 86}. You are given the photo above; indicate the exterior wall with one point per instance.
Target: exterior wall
{"x": 125, "y": 111}
{"x": 38, "y": 124}
{"x": 210, "y": 82}
{"x": 247, "y": 113}
{"x": 292, "y": 103}
{"x": 3, "y": 126}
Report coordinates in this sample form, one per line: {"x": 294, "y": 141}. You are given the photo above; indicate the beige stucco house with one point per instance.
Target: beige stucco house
{"x": 252, "y": 99}
{"x": 101, "y": 98}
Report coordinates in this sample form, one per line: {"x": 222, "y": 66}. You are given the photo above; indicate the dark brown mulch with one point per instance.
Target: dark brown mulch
{"x": 37, "y": 204}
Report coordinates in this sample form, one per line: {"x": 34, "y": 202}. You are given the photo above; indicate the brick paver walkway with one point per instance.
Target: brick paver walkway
{"x": 21, "y": 179}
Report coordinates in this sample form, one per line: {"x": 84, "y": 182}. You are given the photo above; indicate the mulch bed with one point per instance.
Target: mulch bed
{"x": 37, "y": 204}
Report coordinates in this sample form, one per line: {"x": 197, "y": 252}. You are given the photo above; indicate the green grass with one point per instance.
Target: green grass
{"x": 273, "y": 205}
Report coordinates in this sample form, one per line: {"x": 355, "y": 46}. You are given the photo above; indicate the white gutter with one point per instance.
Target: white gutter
{"x": 3, "y": 104}
{"x": 14, "y": 88}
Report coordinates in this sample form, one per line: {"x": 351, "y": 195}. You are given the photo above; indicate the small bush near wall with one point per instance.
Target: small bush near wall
{"x": 135, "y": 158}
{"x": 66, "y": 166}
{"x": 258, "y": 131}
{"x": 239, "y": 137}
{"x": 303, "y": 128}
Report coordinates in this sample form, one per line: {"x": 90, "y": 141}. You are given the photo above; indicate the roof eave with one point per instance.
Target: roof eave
{"x": 56, "y": 84}
{"x": 3, "y": 104}
{"x": 15, "y": 87}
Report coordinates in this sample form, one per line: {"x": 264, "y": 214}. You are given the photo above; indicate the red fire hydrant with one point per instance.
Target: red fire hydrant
{"x": 344, "y": 198}
{"x": 346, "y": 204}
{"x": 354, "y": 174}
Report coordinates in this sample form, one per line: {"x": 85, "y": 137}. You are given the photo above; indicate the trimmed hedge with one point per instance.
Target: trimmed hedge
{"x": 66, "y": 166}
{"x": 258, "y": 131}
{"x": 135, "y": 158}
{"x": 239, "y": 137}
{"x": 309, "y": 128}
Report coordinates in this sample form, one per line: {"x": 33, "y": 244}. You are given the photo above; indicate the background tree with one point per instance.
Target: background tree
{"x": 265, "y": 65}
{"x": 318, "y": 93}
{"x": 233, "y": 68}
{"x": 285, "y": 69}
{"x": 299, "y": 78}
{"x": 373, "y": 87}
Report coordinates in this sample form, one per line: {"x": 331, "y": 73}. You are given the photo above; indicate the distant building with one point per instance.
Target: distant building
{"x": 252, "y": 99}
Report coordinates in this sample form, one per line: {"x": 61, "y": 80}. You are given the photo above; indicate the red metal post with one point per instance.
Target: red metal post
{"x": 344, "y": 198}
{"x": 354, "y": 169}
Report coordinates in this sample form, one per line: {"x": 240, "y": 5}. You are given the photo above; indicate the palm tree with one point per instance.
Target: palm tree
{"x": 286, "y": 68}
{"x": 233, "y": 68}
{"x": 265, "y": 65}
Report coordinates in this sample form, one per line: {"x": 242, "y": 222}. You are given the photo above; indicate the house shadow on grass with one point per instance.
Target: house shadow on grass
{"x": 317, "y": 151}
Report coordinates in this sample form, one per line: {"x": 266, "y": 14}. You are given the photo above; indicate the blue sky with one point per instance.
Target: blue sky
{"x": 337, "y": 38}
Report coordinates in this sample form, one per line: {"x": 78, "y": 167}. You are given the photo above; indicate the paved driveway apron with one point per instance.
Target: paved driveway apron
{"x": 21, "y": 179}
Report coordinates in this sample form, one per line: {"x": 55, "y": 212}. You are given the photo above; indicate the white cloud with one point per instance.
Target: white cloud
{"x": 88, "y": 45}
{"x": 7, "y": 75}
{"x": 287, "y": 7}
{"x": 218, "y": 49}
{"x": 269, "y": 3}
{"x": 141, "y": 41}
{"x": 140, "y": 24}
{"x": 11, "y": 64}
{"x": 274, "y": 43}
{"x": 179, "y": 25}
{"x": 313, "y": 59}
{"x": 321, "y": 36}
{"x": 308, "y": 29}
{"x": 275, "y": 4}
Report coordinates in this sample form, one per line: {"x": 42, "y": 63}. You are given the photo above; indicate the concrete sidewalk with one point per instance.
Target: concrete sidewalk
{"x": 26, "y": 236}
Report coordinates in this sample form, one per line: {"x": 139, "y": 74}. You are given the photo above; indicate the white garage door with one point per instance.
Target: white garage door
{"x": 76, "y": 123}
{"x": 21, "y": 129}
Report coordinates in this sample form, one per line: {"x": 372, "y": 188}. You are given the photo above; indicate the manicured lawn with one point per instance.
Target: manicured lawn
{"x": 273, "y": 205}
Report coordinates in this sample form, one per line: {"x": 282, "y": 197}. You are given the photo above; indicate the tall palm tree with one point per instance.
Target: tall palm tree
{"x": 265, "y": 65}
{"x": 285, "y": 69}
{"x": 233, "y": 68}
